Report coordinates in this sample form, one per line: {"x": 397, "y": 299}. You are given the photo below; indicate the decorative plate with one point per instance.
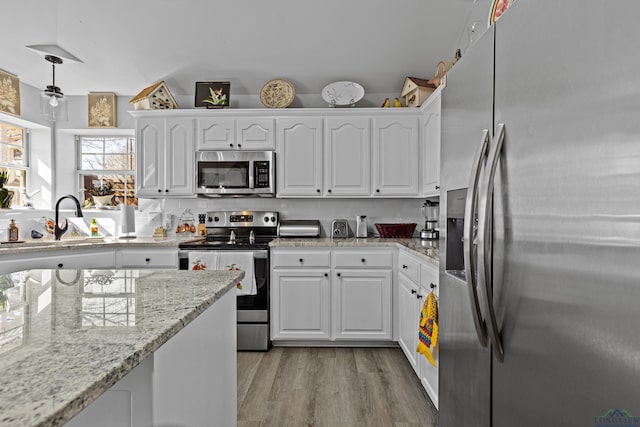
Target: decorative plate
{"x": 342, "y": 93}
{"x": 277, "y": 93}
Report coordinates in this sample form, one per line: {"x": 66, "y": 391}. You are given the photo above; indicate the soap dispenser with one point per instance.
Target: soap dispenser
{"x": 13, "y": 231}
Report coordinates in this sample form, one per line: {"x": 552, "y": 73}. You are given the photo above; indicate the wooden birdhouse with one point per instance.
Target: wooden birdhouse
{"x": 415, "y": 91}
{"x": 155, "y": 97}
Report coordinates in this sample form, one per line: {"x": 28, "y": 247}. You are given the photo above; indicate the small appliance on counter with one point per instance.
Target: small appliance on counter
{"x": 299, "y": 228}
{"x": 340, "y": 229}
{"x": 431, "y": 211}
{"x": 361, "y": 226}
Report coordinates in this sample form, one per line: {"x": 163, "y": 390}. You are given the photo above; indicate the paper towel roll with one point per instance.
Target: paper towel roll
{"x": 127, "y": 219}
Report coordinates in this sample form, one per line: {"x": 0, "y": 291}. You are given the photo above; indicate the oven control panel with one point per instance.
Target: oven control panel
{"x": 242, "y": 219}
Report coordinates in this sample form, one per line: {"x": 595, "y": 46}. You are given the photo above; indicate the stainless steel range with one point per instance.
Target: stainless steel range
{"x": 240, "y": 240}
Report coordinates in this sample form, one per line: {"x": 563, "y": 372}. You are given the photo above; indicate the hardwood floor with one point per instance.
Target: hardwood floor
{"x": 302, "y": 386}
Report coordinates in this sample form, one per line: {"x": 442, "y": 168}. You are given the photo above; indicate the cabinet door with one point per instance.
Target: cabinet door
{"x": 361, "y": 304}
{"x": 299, "y": 162}
{"x": 150, "y": 157}
{"x": 216, "y": 133}
{"x": 395, "y": 157}
{"x": 429, "y": 373}
{"x": 348, "y": 154}
{"x": 409, "y": 318}
{"x": 256, "y": 134}
{"x": 430, "y": 142}
{"x": 300, "y": 305}
{"x": 180, "y": 161}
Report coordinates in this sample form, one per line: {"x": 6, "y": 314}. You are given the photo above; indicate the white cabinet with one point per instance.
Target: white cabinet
{"x": 228, "y": 133}
{"x": 361, "y": 305}
{"x": 331, "y": 294}
{"x": 300, "y": 295}
{"x": 430, "y": 144}
{"x": 348, "y": 156}
{"x": 300, "y": 304}
{"x": 415, "y": 280}
{"x": 395, "y": 156}
{"x": 145, "y": 257}
{"x": 165, "y": 157}
{"x": 299, "y": 162}
{"x": 408, "y": 317}
{"x": 75, "y": 259}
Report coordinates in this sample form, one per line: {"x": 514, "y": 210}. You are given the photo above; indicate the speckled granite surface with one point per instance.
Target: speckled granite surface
{"x": 43, "y": 245}
{"x": 63, "y": 345}
{"x": 427, "y": 250}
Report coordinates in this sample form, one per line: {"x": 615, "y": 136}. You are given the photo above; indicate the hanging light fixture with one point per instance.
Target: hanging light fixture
{"x": 53, "y": 104}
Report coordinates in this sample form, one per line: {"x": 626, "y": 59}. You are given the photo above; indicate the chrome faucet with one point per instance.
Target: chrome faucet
{"x": 59, "y": 231}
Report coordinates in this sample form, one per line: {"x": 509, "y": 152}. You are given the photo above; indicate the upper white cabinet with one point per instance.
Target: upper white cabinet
{"x": 395, "y": 156}
{"x": 165, "y": 157}
{"x": 430, "y": 142}
{"x": 299, "y": 157}
{"x": 348, "y": 155}
{"x": 243, "y": 133}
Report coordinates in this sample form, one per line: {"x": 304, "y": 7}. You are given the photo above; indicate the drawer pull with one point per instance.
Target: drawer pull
{"x": 413, "y": 291}
{"x": 301, "y": 260}
{"x": 147, "y": 259}
{"x": 404, "y": 266}
{"x": 433, "y": 285}
{"x": 231, "y": 145}
{"x": 419, "y": 296}
{"x": 326, "y": 274}
{"x": 60, "y": 265}
{"x": 363, "y": 260}
{"x": 338, "y": 274}
{"x": 239, "y": 145}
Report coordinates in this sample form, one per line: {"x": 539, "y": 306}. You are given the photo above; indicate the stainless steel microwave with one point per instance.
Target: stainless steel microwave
{"x": 236, "y": 173}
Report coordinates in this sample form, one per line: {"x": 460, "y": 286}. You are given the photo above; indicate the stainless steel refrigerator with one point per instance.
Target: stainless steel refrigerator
{"x": 540, "y": 220}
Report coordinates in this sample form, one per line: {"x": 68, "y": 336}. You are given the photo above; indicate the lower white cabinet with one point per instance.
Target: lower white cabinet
{"x": 300, "y": 304}
{"x": 414, "y": 284}
{"x": 361, "y": 304}
{"x": 331, "y": 294}
{"x": 145, "y": 257}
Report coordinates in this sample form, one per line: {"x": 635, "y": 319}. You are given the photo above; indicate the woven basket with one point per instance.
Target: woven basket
{"x": 397, "y": 231}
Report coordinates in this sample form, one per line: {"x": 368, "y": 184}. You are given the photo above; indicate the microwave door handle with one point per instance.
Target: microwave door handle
{"x": 468, "y": 240}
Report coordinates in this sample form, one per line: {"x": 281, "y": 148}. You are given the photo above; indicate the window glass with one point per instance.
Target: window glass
{"x": 13, "y": 159}
{"x": 106, "y": 167}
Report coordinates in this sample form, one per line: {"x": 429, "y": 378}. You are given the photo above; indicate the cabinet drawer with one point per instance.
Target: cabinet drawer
{"x": 359, "y": 259}
{"x": 428, "y": 275}
{"x": 301, "y": 258}
{"x": 409, "y": 266}
{"x": 153, "y": 258}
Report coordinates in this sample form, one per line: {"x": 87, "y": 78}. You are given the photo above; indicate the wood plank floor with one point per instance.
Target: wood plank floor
{"x": 301, "y": 386}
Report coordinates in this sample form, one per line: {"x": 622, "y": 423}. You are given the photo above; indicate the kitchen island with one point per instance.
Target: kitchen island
{"x": 152, "y": 346}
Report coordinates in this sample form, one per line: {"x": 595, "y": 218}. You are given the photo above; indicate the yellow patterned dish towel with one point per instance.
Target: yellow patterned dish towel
{"x": 428, "y": 331}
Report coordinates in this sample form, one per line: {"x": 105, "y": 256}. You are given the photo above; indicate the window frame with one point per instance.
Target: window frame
{"x": 131, "y": 141}
{"x": 25, "y": 167}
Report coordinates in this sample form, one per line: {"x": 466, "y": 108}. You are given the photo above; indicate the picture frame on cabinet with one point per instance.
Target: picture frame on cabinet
{"x": 212, "y": 94}
{"x": 9, "y": 93}
{"x": 101, "y": 109}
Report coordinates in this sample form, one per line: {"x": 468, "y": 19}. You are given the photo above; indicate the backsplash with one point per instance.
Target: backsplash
{"x": 153, "y": 213}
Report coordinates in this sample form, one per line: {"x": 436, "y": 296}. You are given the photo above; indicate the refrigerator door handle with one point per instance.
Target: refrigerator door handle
{"x": 470, "y": 262}
{"x": 484, "y": 242}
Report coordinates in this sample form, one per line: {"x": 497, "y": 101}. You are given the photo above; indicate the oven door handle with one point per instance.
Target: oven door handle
{"x": 257, "y": 254}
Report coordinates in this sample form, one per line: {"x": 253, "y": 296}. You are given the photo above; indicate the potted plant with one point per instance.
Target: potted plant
{"x": 102, "y": 194}
{"x": 6, "y": 195}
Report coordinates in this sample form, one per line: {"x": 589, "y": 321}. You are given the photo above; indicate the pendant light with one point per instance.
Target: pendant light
{"x": 53, "y": 104}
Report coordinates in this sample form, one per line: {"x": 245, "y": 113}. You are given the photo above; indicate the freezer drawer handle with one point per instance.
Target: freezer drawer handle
{"x": 485, "y": 221}
{"x": 469, "y": 241}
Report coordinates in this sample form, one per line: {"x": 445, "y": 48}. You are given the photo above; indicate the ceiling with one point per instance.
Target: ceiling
{"x": 126, "y": 45}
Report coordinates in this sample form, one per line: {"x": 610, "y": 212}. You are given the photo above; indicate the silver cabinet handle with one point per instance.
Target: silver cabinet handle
{"x": 485, "y": 222}
{"x": 468, "y": 240}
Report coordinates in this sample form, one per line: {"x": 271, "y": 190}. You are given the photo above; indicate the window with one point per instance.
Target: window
{"x": 14, "y": 158}
{"x": 107, "y": 161}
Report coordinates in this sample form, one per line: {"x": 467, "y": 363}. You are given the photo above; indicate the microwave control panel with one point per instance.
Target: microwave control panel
{"x": 261, "y": 174}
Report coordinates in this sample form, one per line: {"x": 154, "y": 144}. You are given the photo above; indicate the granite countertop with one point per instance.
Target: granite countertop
{"x": 71, "y": 243}
{"x": 69, "y": 335}
{"x": 427, "y": 250}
